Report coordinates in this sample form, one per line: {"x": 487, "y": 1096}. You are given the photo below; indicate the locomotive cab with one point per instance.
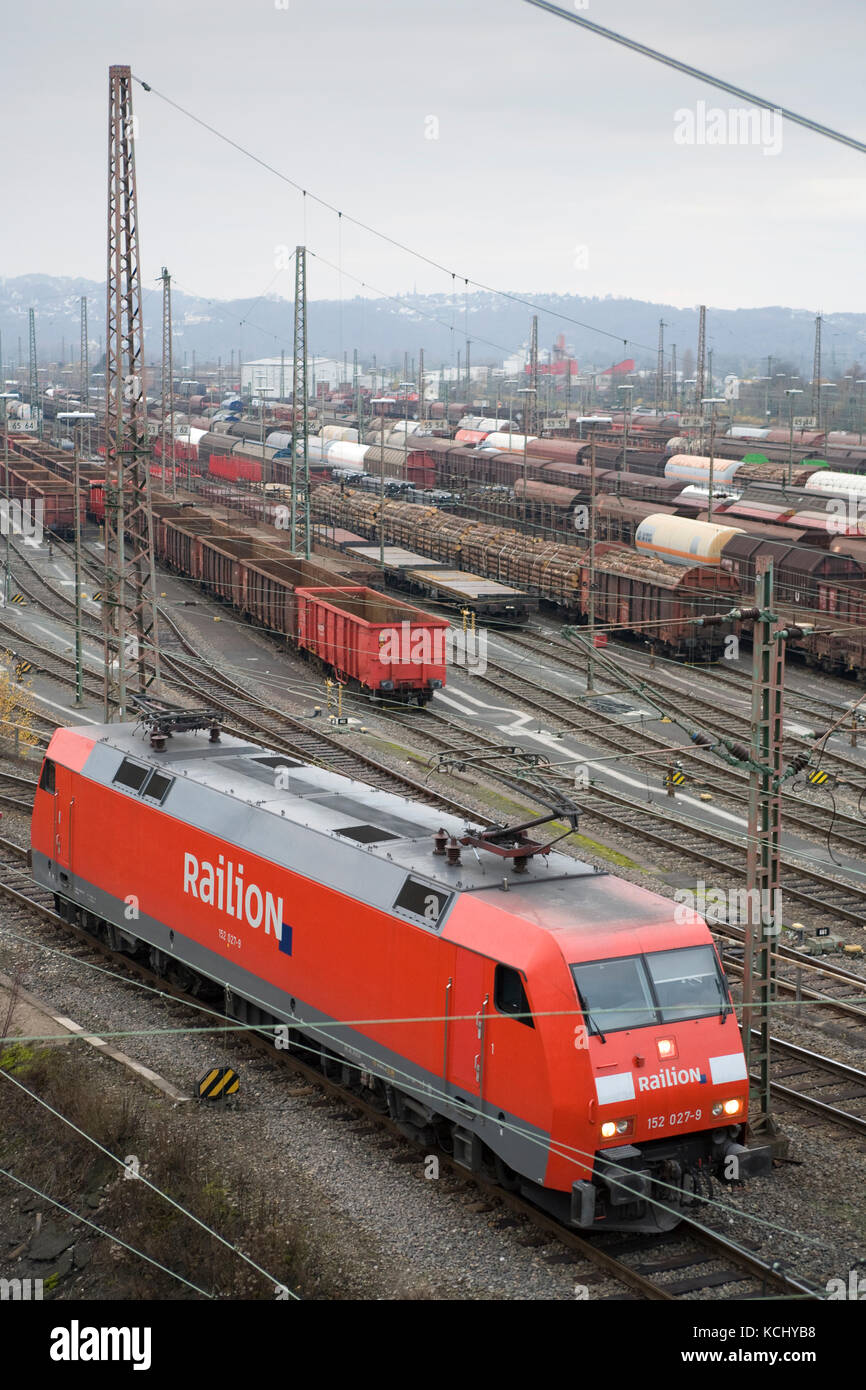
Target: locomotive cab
{"x": 671, "y": 1087}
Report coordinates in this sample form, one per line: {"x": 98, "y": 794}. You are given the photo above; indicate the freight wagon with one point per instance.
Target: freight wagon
{"x": 261, "y": 581}
{"x": 373, "y": 641}
{"x": 646, "y": 595}
{"x": 420, "y": 574}
{"x": 46, "y": 501}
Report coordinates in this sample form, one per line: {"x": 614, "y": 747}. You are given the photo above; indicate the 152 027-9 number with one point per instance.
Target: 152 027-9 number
{"x": 681, "y": 1117}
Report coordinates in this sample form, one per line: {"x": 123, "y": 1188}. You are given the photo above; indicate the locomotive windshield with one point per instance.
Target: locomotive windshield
{"x": 663, "y": 987}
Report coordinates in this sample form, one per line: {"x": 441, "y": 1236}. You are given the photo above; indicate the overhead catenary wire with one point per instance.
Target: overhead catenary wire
{"x": 645, "y": 51}
{"x": 571, "y": 1153}
{"x": 383, "y": 236}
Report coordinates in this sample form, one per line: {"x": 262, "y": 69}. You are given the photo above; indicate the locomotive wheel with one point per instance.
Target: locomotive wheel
{"x": 505, "y": 1176}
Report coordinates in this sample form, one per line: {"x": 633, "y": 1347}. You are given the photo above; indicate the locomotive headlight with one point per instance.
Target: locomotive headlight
{"x": 733, "y": 1107}
{"x": 667, "y": 1048}
{"x": 718, "y": 1108}
{"x": 612, "y": 1128}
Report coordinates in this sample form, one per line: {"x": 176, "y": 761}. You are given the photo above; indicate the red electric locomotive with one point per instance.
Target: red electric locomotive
{"x": 525, "y": 1010}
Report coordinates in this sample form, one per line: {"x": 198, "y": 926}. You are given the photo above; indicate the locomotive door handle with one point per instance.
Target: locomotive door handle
{"x": 478, "y": 1067}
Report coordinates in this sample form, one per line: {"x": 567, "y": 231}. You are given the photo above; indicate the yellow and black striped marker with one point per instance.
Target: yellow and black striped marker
{"x": 96, "y": 597}
{"x": 674, "y": 779}
{"x": 17, "y": 598}
{"x": 218, "y": 1082}
{"x": 818, "y": 778}
{"x": 22, "y": 668}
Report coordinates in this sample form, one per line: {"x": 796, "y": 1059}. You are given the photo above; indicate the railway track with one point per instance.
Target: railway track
{"x": 591, "y": 720}
{"x": 299, "y": 739}
{"x": 691, "y": 708}
{"x": 51, "y": 663}
{"x": 828, "y": 1084}
{"x": 823, "y": 894}
{"x": 834, "y": 987}
{"x": 820, "y": 892}
{"x": 694, "y": 1245}
{"x": 796, "y": 700}
{"x": 17, "y": 792}
{"x": 249, "y": 715}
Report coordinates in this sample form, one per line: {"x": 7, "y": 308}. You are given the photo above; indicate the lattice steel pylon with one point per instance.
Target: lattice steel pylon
{"x": 34, "y": 372}
{"x": 130, "y": 637}
{"x": 816, "y": 374}
{"x": 299, "y": 400}
{"x": 531, "y": 417}
{"x": 764, "y": 919}
{"x": 167, "y": 382}
{"x": 701, "y": 369}
{"x": 84, "y": 390}
{"x": 660, "y": 368}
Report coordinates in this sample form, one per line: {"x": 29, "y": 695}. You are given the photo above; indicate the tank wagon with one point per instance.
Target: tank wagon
{"x": 681, "y": 541}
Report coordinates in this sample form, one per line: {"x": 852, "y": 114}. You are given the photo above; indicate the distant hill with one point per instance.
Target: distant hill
{"x": 740, "y": 339}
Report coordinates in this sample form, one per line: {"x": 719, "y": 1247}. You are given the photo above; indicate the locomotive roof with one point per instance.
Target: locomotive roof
{"x": 351, "y": 814}
{"x": 371, "y": 846}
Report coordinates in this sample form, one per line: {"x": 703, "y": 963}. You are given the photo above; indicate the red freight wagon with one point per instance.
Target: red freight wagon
{"x": 233, "y": 467}
{"x": 383, "y": 645}
{"x": 470, "y": 436}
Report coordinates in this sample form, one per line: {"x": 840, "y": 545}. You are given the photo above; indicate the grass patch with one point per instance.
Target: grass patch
{"x": 171, "y": 1147}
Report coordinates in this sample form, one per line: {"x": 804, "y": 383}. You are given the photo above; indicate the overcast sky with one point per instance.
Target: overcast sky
{"x": 555, "y": 165}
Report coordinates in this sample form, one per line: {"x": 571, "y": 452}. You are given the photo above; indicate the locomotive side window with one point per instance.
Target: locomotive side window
{"x": 46, "y": 776}
{"x": 157, "y": 786}
{"x": 509, "y": 995}
{"x": 131, "y": 775}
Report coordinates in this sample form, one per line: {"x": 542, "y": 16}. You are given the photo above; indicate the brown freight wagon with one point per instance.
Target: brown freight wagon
{"x": 267, "y": 590}
{"x": 839, "y": 641}
{"x": 559, "y": 450}
{"x": 639, "y": 594}
{"x": 800, "y": 571}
